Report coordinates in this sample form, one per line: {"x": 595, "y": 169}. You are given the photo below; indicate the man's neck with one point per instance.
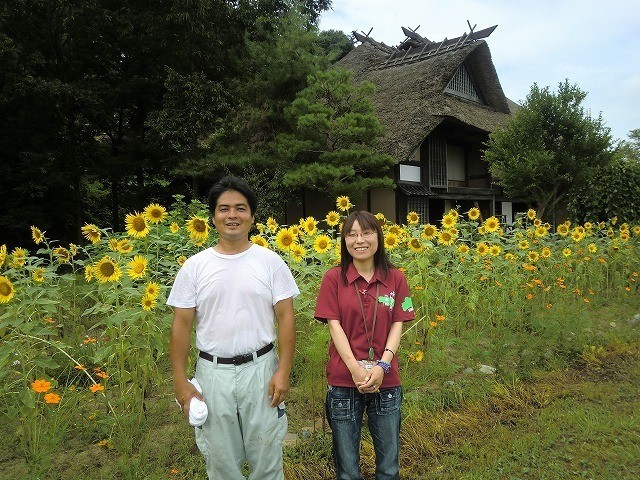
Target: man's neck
{"x": 232, "y": 248}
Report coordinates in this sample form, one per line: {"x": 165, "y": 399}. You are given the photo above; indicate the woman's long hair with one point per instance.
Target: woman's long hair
{"x": 367, "y": 221}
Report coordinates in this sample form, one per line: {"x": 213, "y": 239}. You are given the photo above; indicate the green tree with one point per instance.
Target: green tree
{"x": 332, "y": 147}
{"x": 550, "y": 146}
{"x": 614, "y": 189}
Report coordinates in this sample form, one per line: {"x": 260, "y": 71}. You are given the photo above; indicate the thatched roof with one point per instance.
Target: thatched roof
{"x": 410, "y": 100}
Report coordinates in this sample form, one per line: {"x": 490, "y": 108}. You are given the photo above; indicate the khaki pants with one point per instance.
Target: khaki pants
{"x": 241, "y": 424}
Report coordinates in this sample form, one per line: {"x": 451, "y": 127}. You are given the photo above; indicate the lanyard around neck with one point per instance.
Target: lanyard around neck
{"x": 364, "y": 318}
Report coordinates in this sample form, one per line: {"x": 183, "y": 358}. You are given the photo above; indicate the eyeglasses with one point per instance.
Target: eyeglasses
{"x": 366, "y": 235}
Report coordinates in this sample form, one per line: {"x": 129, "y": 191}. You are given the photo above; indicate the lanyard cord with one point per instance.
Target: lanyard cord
{"x": 364, "y": 318}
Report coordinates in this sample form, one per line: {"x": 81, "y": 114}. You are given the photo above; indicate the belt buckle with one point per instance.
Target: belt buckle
{"x": 241, "y": 359}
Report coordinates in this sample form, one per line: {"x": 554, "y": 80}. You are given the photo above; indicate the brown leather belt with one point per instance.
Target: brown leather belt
{"x": 238, "y": 359}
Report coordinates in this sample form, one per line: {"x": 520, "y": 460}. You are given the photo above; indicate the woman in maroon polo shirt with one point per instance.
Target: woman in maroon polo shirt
{"x": 365, "y": 301}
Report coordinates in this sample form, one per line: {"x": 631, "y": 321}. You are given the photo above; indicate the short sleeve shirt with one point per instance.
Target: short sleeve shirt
{"x": 338, "y": 300}
{"x": 234, "y": 297}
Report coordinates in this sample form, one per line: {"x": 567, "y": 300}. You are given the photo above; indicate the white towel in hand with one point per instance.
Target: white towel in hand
{"x": 197, "y": 408}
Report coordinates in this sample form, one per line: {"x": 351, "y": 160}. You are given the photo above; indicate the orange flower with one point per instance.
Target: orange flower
{"x": 97, "y": 387}
{"x": 89, "y": 340}
{"x": 80, "y": 367}
{"x": 433, "y": 324}
{"x": 549, "y": 305}
{"x": 52, "y": 398}
{"x": 174, "y": 471}
{"x": 528, "y": 296}
{"x": 440, "y": 318}
{"x": 104, "y": 375}
{"x": 41, "y": 386}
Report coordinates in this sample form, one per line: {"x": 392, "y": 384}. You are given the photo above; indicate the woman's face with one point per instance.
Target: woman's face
{"x": 361, "y": 244}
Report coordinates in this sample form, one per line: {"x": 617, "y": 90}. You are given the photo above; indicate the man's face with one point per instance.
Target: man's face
{"x": 232, "y": 216}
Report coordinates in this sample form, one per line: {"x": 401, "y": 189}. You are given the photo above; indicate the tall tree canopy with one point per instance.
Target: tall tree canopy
{"x": 614, "y": 189}
{"x": 551, "y": 145}
{"x": 101, "y": 100}
{"x": 332, "y": 146}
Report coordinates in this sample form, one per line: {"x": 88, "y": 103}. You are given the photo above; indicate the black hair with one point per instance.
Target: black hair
{"x": 236, "y": 184}
{"x": 367, "y": 221}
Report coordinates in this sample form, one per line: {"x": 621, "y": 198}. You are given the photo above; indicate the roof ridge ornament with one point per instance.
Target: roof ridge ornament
{"x": 415, "y": 47}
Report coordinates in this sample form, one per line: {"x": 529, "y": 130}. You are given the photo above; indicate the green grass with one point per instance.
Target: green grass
{"x": 557, "y": 408}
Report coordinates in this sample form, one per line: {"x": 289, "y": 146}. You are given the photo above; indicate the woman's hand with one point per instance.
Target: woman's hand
{"x": 371, "y": 381}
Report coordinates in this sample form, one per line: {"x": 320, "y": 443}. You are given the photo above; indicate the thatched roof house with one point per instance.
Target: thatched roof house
{"x": 438, "y": 102}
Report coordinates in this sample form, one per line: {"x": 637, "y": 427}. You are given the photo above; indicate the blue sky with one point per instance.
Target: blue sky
{"x": 595, "y": 44}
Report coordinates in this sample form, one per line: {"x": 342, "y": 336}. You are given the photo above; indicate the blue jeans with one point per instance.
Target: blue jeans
{"x": 345, "y": 408}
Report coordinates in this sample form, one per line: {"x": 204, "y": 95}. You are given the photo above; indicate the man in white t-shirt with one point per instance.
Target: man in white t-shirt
{"x": 235, "y": 291}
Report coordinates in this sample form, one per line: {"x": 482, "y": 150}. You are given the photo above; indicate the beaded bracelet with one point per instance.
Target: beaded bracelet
{"x": 386, "y": 367}
{"x": 393, "y": 354}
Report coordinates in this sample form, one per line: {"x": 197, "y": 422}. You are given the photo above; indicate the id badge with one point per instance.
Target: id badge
{"x": 367, "y": 364}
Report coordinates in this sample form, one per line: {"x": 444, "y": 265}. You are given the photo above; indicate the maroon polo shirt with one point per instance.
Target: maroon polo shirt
{"x": 338, "y": 300}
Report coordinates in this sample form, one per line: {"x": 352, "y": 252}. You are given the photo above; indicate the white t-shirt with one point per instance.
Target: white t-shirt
{"x": 234, "y": 297}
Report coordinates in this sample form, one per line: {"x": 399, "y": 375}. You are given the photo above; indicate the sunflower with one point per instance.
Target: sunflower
{"x": 107, "y": 270}
{"x": 577, "y": 235}
{"x": 563, "y": 230}
{"x": 397, "y": 230}
{"x": 88, "y": 273}
{"x": 260, "y": 240}
{"x": 473, "y": 213}
{"x": 446, "y": 238}
{"x": 6, "y": 290}
{"x": 636, "y": 232}
{"x": 309, "y": 225}
{"x": 38, "y": 275}
{"x": 413, "y": 218}
{"x": 152, "y": 289}
{"x": 113, "y": 244}
{"x": 415, "y": 245}
{"x": 454, "y": 212}
{"x": 332, "y": 218}
{"x": 125, "y": 246}
{"x": 541, "y": 231}
{"x": 523, "y": 244}
{"x": 272, "y": 225}
{"x": 533, "y": 255}
{"x": 592, "y": 248}
{"x": 37, "y": 235}
{"x": 62, "y": 255}
{"x": 136, "y": 225}
{"x": 198, "y": 229}
{"x": 19, "y": 256}
{"x": 73, "y": 249}
{"x": 137, "y": 267}
{"x": 482, "y": 248}
{"x": 91, "y": 233}
{"x": 343, "y": 203}
{"x": 148, "y": 302}
{"x": 491, "y": 224}
{"x": 545, "y": 252}
{"x": 566, "y": 252}
{"x": 381, "y": 218}
{"x": 285, "y": 239}
{"x": 322, "y": 244}
{"x": 297, "y": 252}
{"x": 495, "y": 250}
{"x": 181, "y": 259}
{"x": 531, "y": 214}
{"x": 390, "y": 240}
{"x": 429, "y": 232}
{"x": 482, "y": 230}
{"x": 449, "y": 221}
{"x": 3, "y": 254}
{"x": 155, "y": 213}
{"x": 174, "y": 228}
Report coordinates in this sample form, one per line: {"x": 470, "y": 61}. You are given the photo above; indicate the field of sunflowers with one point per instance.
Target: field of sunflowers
{"x": 84, "y": 328}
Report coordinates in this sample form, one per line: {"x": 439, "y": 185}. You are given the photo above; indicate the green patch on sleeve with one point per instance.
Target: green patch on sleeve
{"x": 407, "y": 305}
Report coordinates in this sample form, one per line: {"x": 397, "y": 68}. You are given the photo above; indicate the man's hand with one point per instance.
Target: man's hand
{"x": 184, "y": 391}
{"x": 278, "y": 387}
